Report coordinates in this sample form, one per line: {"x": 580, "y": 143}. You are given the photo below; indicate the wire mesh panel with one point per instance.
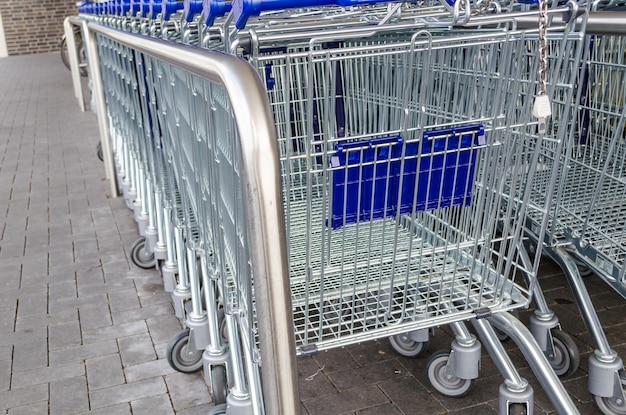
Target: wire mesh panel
{"x": 589, "y": 208}
{"x": 404, "y": 165}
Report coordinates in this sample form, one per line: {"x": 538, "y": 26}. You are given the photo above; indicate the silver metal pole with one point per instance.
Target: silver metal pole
{"x": 537, "y": 361}
{"x": 98, "y": 94}
{"x": 598, "y": 23}
{"x": 72, "y": 51}
{"x": 262, "y": 199}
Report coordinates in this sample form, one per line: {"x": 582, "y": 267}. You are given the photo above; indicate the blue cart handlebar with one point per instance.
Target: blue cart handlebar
{"x": 215, "y": 8}
{"x": 244, "y": 9}
{"x": 169, "y": 7}
{"x": 191, "y": 9}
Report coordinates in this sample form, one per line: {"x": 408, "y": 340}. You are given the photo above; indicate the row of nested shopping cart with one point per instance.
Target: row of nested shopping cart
{"x": 418, "y": 152}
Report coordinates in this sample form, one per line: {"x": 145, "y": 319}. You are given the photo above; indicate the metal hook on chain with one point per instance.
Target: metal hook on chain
{"x": 542, "y": 108}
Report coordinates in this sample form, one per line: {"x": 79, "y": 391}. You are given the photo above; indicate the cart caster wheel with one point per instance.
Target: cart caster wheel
{"x": 218, "y": 410}
{"x": 140, "y": 257}
{"x": 584, "y": 271}
{"x": 446, "y": 384}
{"x": 502, "y": 336}
{"x": 99, "y": 152}
{"x": 518, "y": 409}
{"x": 222, "y": 328}
{"x": 566, "y": 357}
{"x": 407, "y": 347}
{"x": 219, "y": 387}
{"x": 610, "y": 406}
{"x": 181, "y": 357}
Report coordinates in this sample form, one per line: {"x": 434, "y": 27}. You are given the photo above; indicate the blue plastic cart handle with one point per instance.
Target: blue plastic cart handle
{"x": 244, "y": 9}
{"x": 155, "y": 8}
{"x": 135, "y": 6}
{"x": 83, "y": 6}
{"x": 215, "y": 8}
{"x": 191, "y": 9}
{"x": 124, "y": 7}
{"x": 169, "y": 7}
{"x": 145, "y": 8}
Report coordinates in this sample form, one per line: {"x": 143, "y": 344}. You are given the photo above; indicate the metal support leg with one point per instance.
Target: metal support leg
{"x": 536, "y": 360}
{"x": 515, "y": 390}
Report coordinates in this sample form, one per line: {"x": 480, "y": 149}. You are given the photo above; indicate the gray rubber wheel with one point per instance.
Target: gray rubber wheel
{"x": 407, "y": 347}
{"x": 99, "y": 152}
{"x": 518, "y": 409}
{"x": 140, "y": 256}
{"x": 218, "y": 410}
{"x": 219, "y": 387}
{"x": 566, "y": 355}
{"x": 447, "y": 385}
{"x": 608, "y": 406}
{"x": 584, "y": 271}
{"x": 181, "y": 357}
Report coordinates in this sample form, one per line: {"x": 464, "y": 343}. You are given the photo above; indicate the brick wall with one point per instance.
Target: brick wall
{"x": 34, "y": 26}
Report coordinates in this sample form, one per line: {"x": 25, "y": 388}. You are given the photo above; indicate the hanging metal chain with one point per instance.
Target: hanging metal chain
{"x": 542, "y": 108}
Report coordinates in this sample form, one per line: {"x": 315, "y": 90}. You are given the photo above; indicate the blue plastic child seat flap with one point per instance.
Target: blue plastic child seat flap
{"x": 385, "y": 176}
{"x": 362, "y": 180}
{"x": 446, "y": 169}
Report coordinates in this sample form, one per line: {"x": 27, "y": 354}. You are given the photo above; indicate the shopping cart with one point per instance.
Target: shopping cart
{"x": 375, "y": 249}
{"x": 587, "y": 217}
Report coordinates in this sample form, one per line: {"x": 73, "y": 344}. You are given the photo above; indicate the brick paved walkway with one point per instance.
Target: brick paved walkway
{"x": 84, "y": 331}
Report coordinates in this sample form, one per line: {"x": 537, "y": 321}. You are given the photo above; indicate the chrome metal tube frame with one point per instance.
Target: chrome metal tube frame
{"x": 598, "y": 23}
{"x": 98, "y": 93}
{"x": 72, "y": 52}
{"x": 536, "y": 360}
{"x": 262, "y": 200}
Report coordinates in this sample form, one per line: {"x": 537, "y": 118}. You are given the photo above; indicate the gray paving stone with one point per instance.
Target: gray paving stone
{"x": 200, "y": 410}
{"x": 28, "y": 335}
{"x": 80, "y": 353}
{"x": 35, "y": 267}
{"x": 123, "y": 300}
{"x": 52, "y": 319}
{"x": 104, "y": 286}
{"x": 119, "y": 409}
{"x": 6, "y": 352}
{"x": 93, "y": 316}
{"x": 148, "y": 370}
{"x": 128, "y": 392}
{"x": 65, "y": 303}
{"x": 7, "y": 320}
{"x": 23, "y": 396}
{"x": 36, "y": 408}
{"x": 312, "y": 380}
{"x": 10, "y": 276}
{"x": 30, "y": 355}
{"x": 47, "y": 374}
{"x": 185, "y": 390}
{"x": 136, "y": 349}
{"x": 346, "y": 401}
{"x": 32, "y": 304}
{"x": 104, "y": 371}
{"x": 387, "y": 409}
{"x": 5, "y": 375}
{"x": 163, "y": 328}
{"x": 64, "y": 335}
{"x": 154, "y": 405}
{"x": 369, "y": 374}
{"x": 409, "y": 396}
{"x": 69, "y": 396}
{"x": 62, "y": 289}
{"x": 144, "y": 313}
